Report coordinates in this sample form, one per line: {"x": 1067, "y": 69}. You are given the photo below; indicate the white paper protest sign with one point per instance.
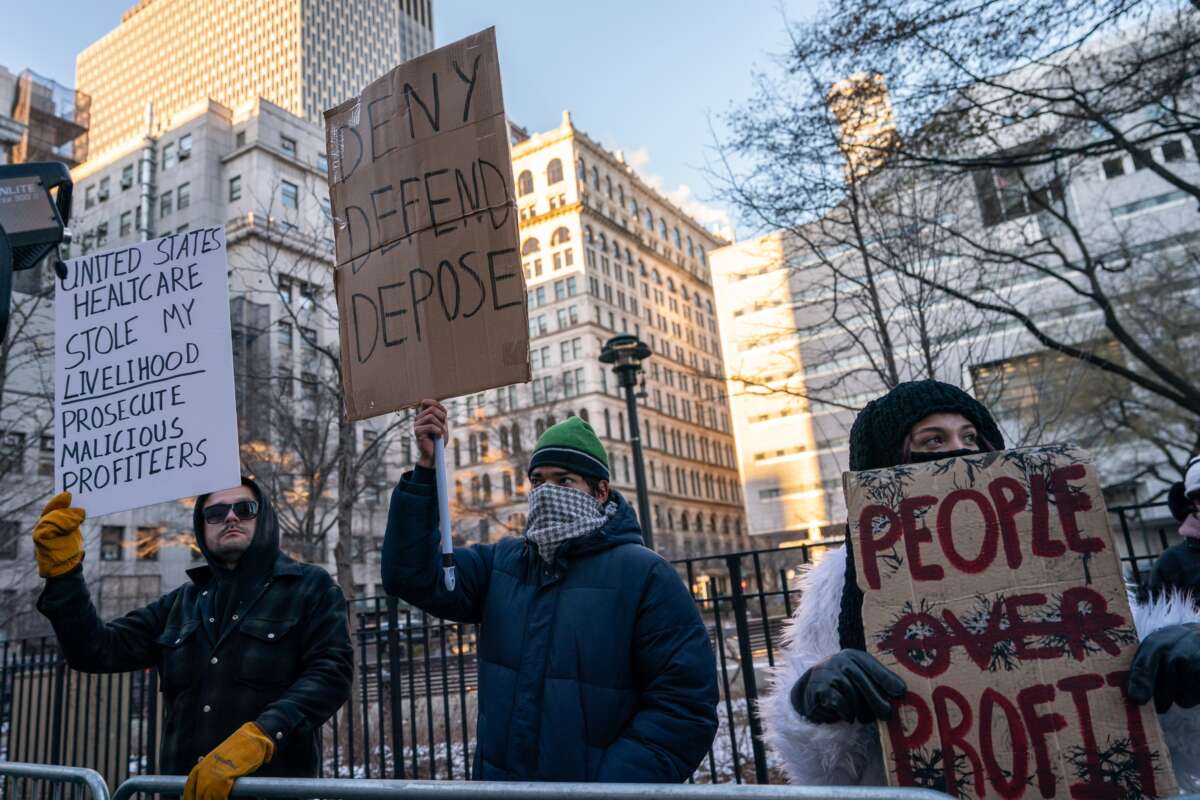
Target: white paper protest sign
{"x": 143, "y": 374}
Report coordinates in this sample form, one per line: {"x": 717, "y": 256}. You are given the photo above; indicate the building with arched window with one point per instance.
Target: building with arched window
{"x": 591, "y": 273}
{"x": 524, "y": 183}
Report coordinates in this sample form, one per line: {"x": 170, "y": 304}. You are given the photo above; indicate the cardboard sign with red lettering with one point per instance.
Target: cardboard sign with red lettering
{"x": 992, "y": 587}
{"x": 430, "y": 290}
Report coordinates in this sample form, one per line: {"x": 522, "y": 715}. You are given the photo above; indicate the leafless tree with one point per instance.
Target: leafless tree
{"x": 296, "y": 436}
{"x": 1009, "y": 115}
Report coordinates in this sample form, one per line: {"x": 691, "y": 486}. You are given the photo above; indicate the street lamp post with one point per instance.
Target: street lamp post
{"x": 626, "y": 354}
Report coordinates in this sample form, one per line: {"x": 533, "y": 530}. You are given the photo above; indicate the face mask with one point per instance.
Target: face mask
{"x": 558, "y": 514}
{"x": 924, "y": 458}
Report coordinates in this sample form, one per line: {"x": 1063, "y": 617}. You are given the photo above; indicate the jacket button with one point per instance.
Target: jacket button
{"x": 278, "y": 734}
{"x": 180, "y": 639}
{"x": 204, "y": 593}
{"x": 270, "y": 636}
{"x": 235, "y": 616}
{"x": 207, "y": 709}
{"x": 211, "y": 619}
{"x": 213, "y": 660}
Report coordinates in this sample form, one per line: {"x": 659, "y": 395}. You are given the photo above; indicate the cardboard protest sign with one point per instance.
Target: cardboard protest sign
{"x": 143, "y": 374}
{"x": 991, "y": 586}
{"x": 431, "y": 295}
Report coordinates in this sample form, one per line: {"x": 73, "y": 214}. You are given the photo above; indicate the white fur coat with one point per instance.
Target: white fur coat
{"x": 849, "y": 754}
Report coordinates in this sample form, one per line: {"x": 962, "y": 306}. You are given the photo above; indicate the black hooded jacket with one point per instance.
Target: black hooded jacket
{"x": 285, "y": 660}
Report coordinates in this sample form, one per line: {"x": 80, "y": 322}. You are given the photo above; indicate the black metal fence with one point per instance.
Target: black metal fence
{"x": 413, "y": 712}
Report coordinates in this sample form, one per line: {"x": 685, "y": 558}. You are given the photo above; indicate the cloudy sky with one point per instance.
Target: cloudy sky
{"x": 651, "y": 78}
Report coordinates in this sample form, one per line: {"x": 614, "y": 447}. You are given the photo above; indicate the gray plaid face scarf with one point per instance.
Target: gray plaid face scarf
{"x": 558, "y": 514}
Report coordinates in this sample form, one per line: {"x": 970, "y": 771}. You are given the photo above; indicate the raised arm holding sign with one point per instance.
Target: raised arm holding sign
{"x": 431, "y": 295}
{"x": 144, "y": 395}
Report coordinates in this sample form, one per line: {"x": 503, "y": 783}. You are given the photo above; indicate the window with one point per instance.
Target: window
{"x": 308, "y": 295}
{"x": 46, "y": 455}
{"x": 532, "y": 245}
{"x": 289, "y": 194}
{"x": 126, "y": 223}
{"x": 164, "y": 204}
{"x": 308, "y": 345}
{"x": 595, "y": 179}
{"x": 168, "y": 156}
{"x": 102, "y": 234}
{"x": 183, "y": 196}
{"x": 543, "y": 389}
{"x": 239, "y": 139}
{"x": 525, "y": 183}
{"x": 112, "y": 543}
{"x": 323, "y": 163}
{"x": 89, "y": 197}
{"x": 149, "y": 542}
{"x": 1173, "y": 150}
{"x": 1005, "y": 194}
{"x": 571, "y": 349}
{"x": 539, "y": 357}
{"x": 554, "y": 171}
{"x": 608, "y": 186}
{"x": 284, "y": 337}
{"x": 573, "y": 382}
{"x": 1114, "y": 167}
{"x": 127, "y": 176}
{"x": 560, "y": 236}
{"x": 568, "y": 316}
{"x": 662, "y": 229}
{"x": 185, "y": 146}
{"x": 235, "y": 188}
{"x": 287, "y": 145}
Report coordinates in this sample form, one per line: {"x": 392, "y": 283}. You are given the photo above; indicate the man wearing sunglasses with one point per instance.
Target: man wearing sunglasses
{"x": 253, "y": 652}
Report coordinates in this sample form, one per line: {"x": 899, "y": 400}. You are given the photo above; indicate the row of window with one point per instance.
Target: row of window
{"x": 1169, "y": 151}
{"x": 666, "y": 232}
{"x": 564, "y": 289}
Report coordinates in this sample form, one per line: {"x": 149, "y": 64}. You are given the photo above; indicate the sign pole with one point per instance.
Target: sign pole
{"x": 443, "y": 495}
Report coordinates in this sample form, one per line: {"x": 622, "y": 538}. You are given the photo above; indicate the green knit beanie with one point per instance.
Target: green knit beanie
{"x": 571, "y": 445}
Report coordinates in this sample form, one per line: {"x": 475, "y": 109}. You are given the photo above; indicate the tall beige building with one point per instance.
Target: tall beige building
{"x": 791, "y": 462}
{"x": 302, "y": 55}
{"x": 606, "y": 254}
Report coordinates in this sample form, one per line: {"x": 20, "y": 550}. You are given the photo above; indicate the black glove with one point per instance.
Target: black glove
{"x": 850, "y": 686}
{"x": 1167, "y": 668}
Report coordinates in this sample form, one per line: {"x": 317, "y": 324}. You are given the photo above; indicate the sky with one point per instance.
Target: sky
{"x": 651, "y": 78}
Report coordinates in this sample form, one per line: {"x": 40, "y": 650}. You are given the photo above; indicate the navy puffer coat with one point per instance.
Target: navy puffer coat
{"x": 597, "y": 668}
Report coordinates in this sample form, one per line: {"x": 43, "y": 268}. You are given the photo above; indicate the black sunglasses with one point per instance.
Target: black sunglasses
{"x": 245, "y": 509}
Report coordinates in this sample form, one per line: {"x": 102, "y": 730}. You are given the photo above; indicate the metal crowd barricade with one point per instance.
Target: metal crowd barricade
{"x": 366, "y": 789}
{"x": 20, "y": 781}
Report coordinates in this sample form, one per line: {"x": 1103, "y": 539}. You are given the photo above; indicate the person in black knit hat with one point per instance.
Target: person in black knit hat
{"x": 827, "y": 693}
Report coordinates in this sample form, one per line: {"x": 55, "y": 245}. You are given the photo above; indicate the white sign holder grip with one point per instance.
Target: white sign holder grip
{"x": 443, "y": 496}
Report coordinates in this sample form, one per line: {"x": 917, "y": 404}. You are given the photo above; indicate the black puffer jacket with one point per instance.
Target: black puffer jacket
{"x": 285, "y": 663}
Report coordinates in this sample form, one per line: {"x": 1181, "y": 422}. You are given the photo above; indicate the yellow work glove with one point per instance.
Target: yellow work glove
{"x": 56, "y": 537}
{"x": 239, "y": 755}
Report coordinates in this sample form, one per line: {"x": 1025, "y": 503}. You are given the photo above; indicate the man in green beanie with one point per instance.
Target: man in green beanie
{"x": 594, "y": 664}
